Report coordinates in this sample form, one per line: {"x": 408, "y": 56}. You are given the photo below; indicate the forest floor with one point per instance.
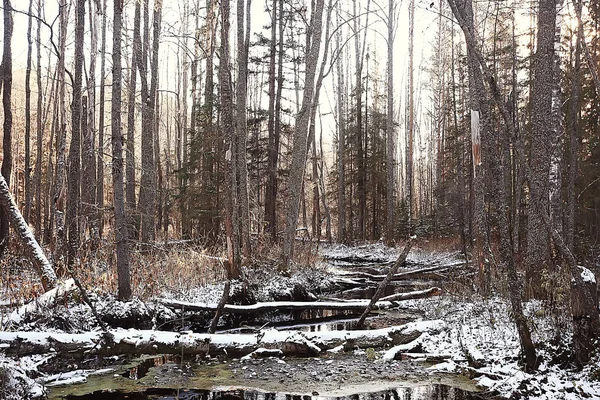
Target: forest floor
{"x": 462, "y": 340}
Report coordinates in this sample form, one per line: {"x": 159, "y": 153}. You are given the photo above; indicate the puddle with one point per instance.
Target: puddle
{"x": 139, "y": 370}
{"x": 430, "y": 392}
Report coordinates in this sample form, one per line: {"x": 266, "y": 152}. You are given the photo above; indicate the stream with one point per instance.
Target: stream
{"x": 352, "y": 375}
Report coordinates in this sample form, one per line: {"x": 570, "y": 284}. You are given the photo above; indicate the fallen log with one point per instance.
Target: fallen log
{"x": 406, "y": 274}
{"x": 44, "y": 301}
{"x": 136, "y": 342}
{"x": 355, "y": 305}
{"x": 418, "y": 294}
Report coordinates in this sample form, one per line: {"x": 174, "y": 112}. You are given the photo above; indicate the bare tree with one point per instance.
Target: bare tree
{"x": 100, "y": 180}
{"x": 243, "y": 39}
{"x": 229, "y": 135}
{"x": 74, "y": 177}
{"x": 117, "y": 160}
{"x": 37, "y": 173}
{"x": 133, "y": 226}
{"x": 6, "y": 82}
{"x": 28, "y": 194}
{"x": 299, "y": 150}
{"x": 390, "y": 124}
{"x": 538, "y": 239}
{"x": 273, "y": 149}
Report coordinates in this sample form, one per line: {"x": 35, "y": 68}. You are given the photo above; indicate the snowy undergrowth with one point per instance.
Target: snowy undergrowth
{"x": 481, "y": 340}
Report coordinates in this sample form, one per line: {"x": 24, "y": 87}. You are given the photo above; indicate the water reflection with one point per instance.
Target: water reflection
{"x": 430, "y": 392}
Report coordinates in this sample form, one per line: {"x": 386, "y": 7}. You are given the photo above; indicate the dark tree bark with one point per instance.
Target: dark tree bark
{"x": 37, "y": 174}
{"x": 147, "y": 194}
{"x": 74, "y": 175}
{"x": 302, "y": 122}
{"x": 27, "y": 172}
{"x": 100, "y": 180}
{"x": 124, "y": 284}
{"x": 541, "y": 139}
{"x": 341, "y": 147}
{"x": 60, "y": 128}
{"x": 243, "y": 39}
{"x": 572, "y": 127}
{"x": 6, "y": 82}
{"x": 389, "y": 131}
{"x": 229, "y": 135}
{"x": 88, "y": 157}
{"x": 133, "y": 224}
{"x": 273, "y": 149}
{"x": 411, "y": 120}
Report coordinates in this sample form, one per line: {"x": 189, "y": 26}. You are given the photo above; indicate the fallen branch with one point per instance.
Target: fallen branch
{"x": 399, "y": 262}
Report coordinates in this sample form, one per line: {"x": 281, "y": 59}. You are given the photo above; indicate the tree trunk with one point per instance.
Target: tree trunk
{"x": 302, "y": 122}
{"x": 227, "y": 132}
{"x": 147, "y": 195}
{"x": 341, "y": 145}
{"x": 27, "y": 172}
{"x": 572, "y": 128}
{"x": 411, "y": 119}
{"x": 100, "y": 179}
{"x": 89, "y": 202}
{"x": 60, "y": 128}
{"x": 542, "y": 135}
{"x": 74, "y": 175}
{"x": 273, "y": 149}
{"x": 37, "y": 174}
{"x": 133, "y": 225}
{"x": 241, "y": 124}
{"x": 120, "y": 227}
{"x": 390, "y": 165}
{"x": 6, "y": 84}
{"x": 39, "y": 260}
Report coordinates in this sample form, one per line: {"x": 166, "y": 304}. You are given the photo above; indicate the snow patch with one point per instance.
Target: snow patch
{"x": 587, "y": 275}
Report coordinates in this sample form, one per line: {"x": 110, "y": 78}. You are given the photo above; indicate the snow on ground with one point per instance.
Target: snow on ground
{"x": 481, "y": 333}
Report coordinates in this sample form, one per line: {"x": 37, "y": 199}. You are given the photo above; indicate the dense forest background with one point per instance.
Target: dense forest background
{"x": 241, "y": 126}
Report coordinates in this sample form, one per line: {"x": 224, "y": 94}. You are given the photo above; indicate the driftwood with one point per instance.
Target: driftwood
{"x": 386, "y": 281}
{"x": 131, "y": 342}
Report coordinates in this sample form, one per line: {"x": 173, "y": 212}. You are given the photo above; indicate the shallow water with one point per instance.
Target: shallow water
{"x": 430, "y": 392}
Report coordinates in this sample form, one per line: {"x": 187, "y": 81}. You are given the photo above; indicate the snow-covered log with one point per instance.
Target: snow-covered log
{"x": 417, "y": 294}
{"x": 355, "y": 305}
{"x": 44, "y": 301}
{"x": 407, "y": 274}
{"x": 132, "y": 342}
{"x": 38, "y": 258}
